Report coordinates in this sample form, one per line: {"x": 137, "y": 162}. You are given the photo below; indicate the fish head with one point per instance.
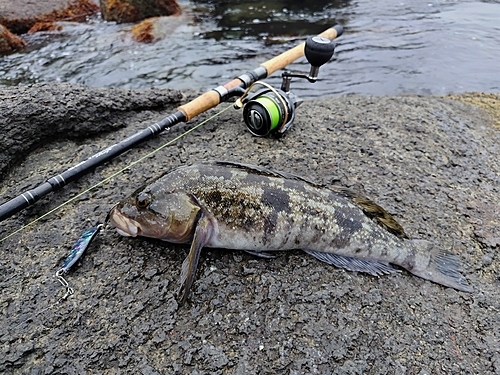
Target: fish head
{"x": 169, "y": 216}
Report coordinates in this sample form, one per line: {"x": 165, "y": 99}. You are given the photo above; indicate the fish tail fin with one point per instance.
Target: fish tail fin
{"x": 432, "y": 262}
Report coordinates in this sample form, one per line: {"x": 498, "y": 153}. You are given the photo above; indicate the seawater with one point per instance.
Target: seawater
{"x": 388, "y": 47}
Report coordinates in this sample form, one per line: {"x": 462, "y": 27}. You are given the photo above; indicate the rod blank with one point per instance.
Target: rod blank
{"x": 184, "y": 113}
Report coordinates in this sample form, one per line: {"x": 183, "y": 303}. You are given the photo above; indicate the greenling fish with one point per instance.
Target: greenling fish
{"x": 244, "y": 207}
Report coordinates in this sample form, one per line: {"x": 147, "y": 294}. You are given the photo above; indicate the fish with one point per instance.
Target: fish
{"x": 230, "y": 205}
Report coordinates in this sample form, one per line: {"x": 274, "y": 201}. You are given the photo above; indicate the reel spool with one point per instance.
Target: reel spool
{"x": 270, "y": 111}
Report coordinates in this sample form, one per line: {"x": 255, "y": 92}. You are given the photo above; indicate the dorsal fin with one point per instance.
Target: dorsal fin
{"x": 259, "y": 170}
{"x": 373, "y": 211}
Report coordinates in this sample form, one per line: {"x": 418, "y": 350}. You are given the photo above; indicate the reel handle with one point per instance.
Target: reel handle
{"x": 286, "y": 58}
{"x": 318, "y": 50}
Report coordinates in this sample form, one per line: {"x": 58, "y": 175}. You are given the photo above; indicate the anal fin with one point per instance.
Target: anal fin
{"x": 353, "y": 264}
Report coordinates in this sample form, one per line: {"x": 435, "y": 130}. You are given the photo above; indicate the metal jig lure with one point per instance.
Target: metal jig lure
{"x": 76, "y": 252}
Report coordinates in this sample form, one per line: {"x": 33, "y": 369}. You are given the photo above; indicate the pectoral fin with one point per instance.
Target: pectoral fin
{"x": 202, "y": 235}
{"x": 353, "y": 264}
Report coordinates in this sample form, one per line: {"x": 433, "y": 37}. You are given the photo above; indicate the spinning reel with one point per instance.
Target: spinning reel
{"x": 270, "y": 111}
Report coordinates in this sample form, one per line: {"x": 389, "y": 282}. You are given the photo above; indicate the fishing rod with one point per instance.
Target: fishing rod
{"x": 266, "y": 112}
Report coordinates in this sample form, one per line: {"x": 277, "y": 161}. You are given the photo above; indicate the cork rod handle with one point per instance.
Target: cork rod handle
{"x": 211, "y": 98}
{"x": 288, "y": 57}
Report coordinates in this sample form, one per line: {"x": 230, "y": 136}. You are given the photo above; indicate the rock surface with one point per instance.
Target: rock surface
{"x": 432, "y": 162}
{"x": 22, "y": 15}
{"x": 156, "y": 28}
{"x": 9, "y": 42}
{"x": 122, "y": 11}
{"x": 29, "y": 8}
{"x": 67, "y": 112}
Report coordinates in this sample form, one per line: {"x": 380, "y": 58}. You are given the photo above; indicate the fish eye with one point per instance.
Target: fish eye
{"x": 142, "y": 200}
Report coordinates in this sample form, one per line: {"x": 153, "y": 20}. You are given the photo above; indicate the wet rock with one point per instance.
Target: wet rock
{"x": 143, "y": 31}
{"x": 33, "y": 115}
{"x": 155, "y": 28}
{"x": 122, "y": 11}
{"x": 20, "y": 16}
{"x": 9, "y": 42}
{"x": 44, "y": 26}
{"x": 487, "y": 101}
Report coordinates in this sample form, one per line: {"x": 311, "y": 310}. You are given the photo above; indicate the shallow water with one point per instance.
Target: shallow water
{"x": 389, "y": 47}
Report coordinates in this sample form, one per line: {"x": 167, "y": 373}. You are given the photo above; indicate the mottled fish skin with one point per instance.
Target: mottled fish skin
{"x": 253, "y": 208}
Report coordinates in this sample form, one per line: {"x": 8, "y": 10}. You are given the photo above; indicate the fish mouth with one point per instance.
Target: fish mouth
{"x": 124, "y": 225}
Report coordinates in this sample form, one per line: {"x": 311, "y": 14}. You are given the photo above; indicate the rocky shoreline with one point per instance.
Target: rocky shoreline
{"x": 25, "y": 16}
{"x": 430, "y": 161}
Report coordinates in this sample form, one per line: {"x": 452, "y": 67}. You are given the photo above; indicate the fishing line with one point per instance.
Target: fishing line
{"x": 117, "y": 173}
{"x": 264, "y": 113}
